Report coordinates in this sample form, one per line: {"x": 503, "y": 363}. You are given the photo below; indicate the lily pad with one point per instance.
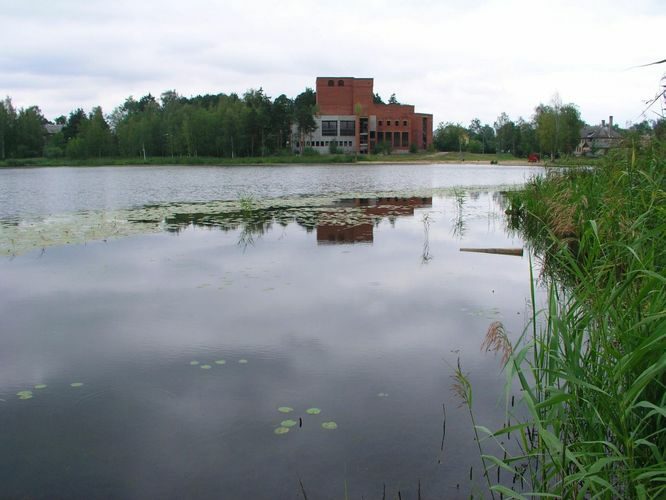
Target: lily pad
{"x": 194, "y": 362}
{"x": 383, "y": 395}
{"x": 285, "y": 409}
{"x": 313, "y": 411}
{"x": 205, "y": 367}
{"x": 220, "y": 362}
{"x": 329, "y": 425}
{"x": 242, "y": 361}
{"x": 281, "y": 430}
{"x": 40, "y": 386}
{"x": 24, "y": 394}
{"x": 76, "y": 384}
{"x": 288, "y": 423}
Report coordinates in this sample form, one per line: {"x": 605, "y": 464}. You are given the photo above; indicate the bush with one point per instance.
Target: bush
{"x": 310, "y": 152}
{"x": 413, "y": 148}
{"x": 383, "y": 148}
{"x": 333, "y": 148}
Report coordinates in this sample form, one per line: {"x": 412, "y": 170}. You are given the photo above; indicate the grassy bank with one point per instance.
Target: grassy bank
{"x": 592, "y": 364}
{"x": 423, "y": 157}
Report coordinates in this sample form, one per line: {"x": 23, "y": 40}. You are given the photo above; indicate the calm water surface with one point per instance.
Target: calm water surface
{"x": 365, "y": 323}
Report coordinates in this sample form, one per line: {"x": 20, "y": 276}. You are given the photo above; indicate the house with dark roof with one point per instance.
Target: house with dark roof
{"x": 598, "y": 139}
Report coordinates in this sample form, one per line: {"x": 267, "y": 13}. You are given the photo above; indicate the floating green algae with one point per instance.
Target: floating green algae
{"x": 41, "y": 386}
{"x": 309, "y": 211}
{"x": 76, "y": 384}
{"x": 24, "y": 394}
{"x": 329, "y": 425}
{"x": 205, "y": 367}
{"x": 313, "y": 411}
{"x": 242, "y": 361}
{"x": 285, "y": 409}
{"x": 220, "y": 362}
{"x": 281, "y": 430}
{"x": 194, "y": 362}
{"x": 288, "y": 423}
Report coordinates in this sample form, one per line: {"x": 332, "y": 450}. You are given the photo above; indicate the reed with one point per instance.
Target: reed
{"x": 591, "y": 365}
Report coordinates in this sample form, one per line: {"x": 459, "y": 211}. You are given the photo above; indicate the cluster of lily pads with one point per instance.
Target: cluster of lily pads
{"x": 287, "y": 424}
{"x": 28, "y": 394}
{"x": 207, "y": 366}
{"x": 21, "y": 236}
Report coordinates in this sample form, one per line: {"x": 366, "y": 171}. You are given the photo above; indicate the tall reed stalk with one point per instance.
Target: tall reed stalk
{"x": 591, "y": 365}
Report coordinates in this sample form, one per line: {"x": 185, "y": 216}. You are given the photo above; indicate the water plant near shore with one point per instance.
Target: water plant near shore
{"x": 592, "y": 364}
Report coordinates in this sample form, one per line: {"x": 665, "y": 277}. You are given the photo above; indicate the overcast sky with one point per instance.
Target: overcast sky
{"x": 456, "y": 59}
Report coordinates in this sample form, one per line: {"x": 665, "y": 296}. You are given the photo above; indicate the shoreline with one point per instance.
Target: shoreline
{"x": 257, "y": 162}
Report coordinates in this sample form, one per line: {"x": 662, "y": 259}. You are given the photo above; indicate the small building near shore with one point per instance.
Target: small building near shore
{"x": 597, "y": 140}
{"x": 349, "y": 116}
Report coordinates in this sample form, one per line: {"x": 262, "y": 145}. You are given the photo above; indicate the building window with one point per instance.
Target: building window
{"x": 379, "y": 123}
{"x": 396, "y": 140}
{"x": 330, "y": 83}
{"x": 380, "y": 136}
{"x": 372, "y": 134}
{"x": 404, "y": 123}
{"x": 341, "y": 83}
{"x": 405, "y": 139}
{"x": 347, "y": 127}
{"x": 329, "y": 127}
{"x": 388, "y": 123}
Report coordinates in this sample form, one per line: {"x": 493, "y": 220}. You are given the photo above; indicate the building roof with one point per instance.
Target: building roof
{"x": 599, "y": 132}
{"x": 53, "y": 128}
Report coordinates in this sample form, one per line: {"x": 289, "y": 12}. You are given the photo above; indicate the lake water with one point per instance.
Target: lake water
{"x": 340, "y": 288}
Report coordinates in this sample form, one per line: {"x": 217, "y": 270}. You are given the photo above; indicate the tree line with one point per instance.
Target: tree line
{"x": 553, "y": 129}
{"x": 207, "y": 125}
{"x": 229, "y": 125}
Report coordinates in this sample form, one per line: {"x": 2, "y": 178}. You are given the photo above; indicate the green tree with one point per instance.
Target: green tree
{"x": 96, "y": 135}
{"x": 7, "y": 128}
{"x": 305, "y": 108}
{"x": 282, "y": 116}
{"x": 557, "y": 127}
{"x": 74, "y": 123}
{"x": 449, "y": 137}
{"x": 30, "y": 133}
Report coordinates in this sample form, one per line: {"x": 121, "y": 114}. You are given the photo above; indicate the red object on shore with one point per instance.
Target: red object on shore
{"x": 533, "y": 158}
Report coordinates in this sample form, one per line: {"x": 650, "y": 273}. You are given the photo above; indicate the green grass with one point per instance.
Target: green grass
{"x": 177, "y": 160}
{"x": 591, "y": 366}
{"x": 420, "y": 157}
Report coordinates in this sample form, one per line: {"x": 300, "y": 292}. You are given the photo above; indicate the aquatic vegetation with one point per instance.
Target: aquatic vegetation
{"x": 281, "y": 430}
{"x": 308, "y": 211}
{"x": 76, "y": 384}
{"x": 329, "y": 425}
{"x": 41, "y": 386}
{"x": 205, "y": 367}
{"x": 288, "y": 423}
{"x": 313, "y": 411}
{"x": 242, "y": 361}
{"x": 24, "y": 394}
{"x": 382, "y": 395}
{"x": 591, "y": 365}
{"x": 220, "y": 362}
{"x": 194, "y": 362}
{"x": 285, "y": 409}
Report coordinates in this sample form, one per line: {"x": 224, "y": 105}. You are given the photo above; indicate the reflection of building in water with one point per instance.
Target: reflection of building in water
{"x": 329, "y": 233}
{"x": 363, "y": 231}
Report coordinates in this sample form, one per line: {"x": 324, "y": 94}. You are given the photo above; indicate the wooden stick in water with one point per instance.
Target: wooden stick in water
{"x": 500, "y": 251}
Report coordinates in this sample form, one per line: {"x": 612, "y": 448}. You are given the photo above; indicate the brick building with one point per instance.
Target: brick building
{"x": 349, "y": 116}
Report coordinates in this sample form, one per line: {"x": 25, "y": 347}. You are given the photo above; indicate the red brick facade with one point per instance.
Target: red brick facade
{"x": 375, "y": 123}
